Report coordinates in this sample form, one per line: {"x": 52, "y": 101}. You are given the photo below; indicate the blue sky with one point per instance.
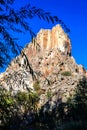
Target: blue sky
{"x": 74, "y": 15}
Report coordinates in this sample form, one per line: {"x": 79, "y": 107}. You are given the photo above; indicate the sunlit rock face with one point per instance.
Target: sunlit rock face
{"x": 47, "y": 49}
{"x": 55, "y": 38}
{"x": 46, "y": 59}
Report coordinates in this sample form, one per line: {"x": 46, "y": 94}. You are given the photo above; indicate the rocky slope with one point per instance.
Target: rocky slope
{"x": 46, "y": 66}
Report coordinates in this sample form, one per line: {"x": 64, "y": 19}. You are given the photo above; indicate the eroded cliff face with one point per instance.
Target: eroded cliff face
{"x": 46, "y": 59}
{"x": 55, "y": 38}
{"x": 47, "y": 40}
{"x": 50, "y": 52}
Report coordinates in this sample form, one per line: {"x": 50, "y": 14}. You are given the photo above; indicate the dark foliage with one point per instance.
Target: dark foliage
{"x": 71, "y": 115}
{"x": 16, "y": 21}
{"x": 79, "y": 104}
{"x": 76, "y": 115}
{"x": 15, "y": 109}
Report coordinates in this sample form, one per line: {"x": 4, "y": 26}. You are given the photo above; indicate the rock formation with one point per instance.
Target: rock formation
{"x": 47, "y": 59}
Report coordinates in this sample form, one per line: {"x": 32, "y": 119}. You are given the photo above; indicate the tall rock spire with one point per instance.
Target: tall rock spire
{"x": 55, "y": 38}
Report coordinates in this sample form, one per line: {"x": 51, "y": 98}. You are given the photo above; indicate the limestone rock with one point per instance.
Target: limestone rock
{"x": 55, "y": 38}
{"x": 46, "y": 59}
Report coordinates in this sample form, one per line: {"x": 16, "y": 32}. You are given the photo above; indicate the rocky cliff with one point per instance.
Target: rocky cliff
{"x": 45, "y": 62}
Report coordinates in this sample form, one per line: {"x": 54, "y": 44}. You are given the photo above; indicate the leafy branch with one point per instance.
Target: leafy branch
{"x": 15, "y": 21}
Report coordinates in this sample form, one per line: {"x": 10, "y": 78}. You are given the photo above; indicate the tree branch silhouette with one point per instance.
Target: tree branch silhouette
{"x": 11, "y": 19}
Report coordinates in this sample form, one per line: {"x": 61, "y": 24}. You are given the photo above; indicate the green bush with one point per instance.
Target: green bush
{"x": 36, "y": 85}
{"x": 6, "y": 100}
{"x": 22, "y": 97}
{"x": 10, "y": 106}
{"x": 49, "y": 94}
{"x": 66, "y": 73}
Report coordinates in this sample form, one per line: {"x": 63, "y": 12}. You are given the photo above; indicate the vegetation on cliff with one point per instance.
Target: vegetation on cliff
{"x": 20, "y": 111}
{"x": 14, "y": 108}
